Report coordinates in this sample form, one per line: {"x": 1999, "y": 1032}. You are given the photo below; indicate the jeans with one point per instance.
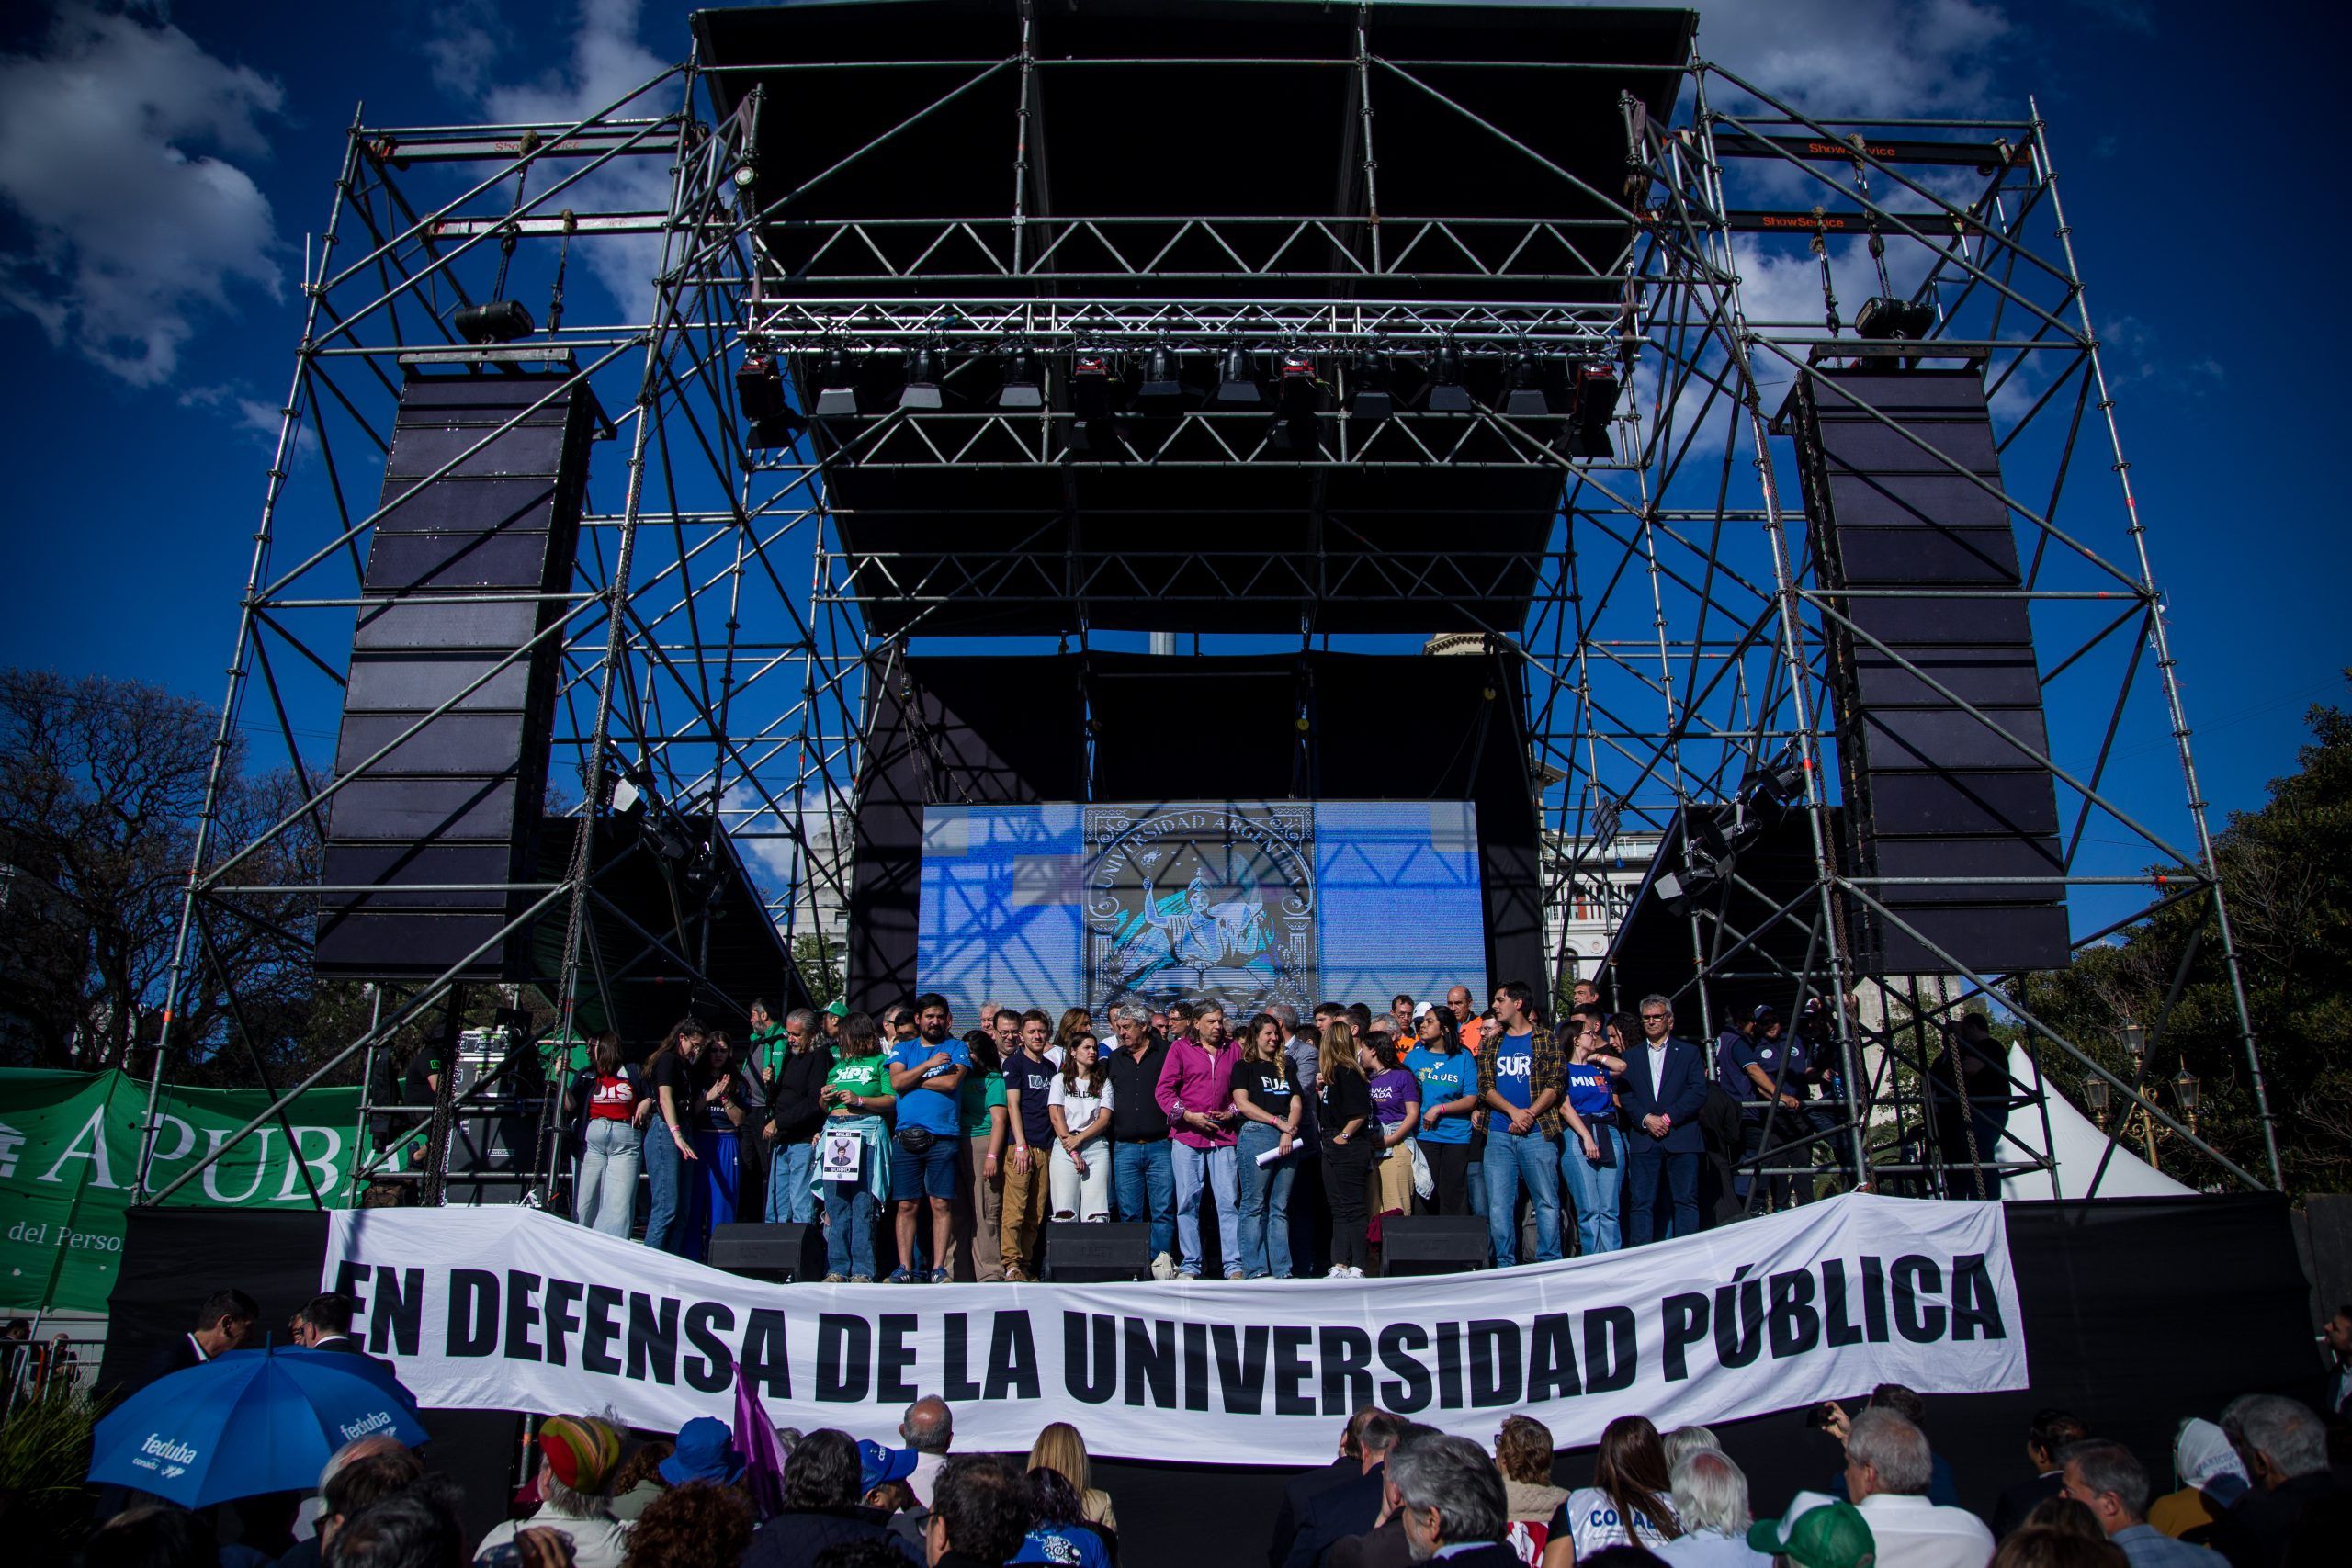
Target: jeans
{"x": 1594, "y": 1189}
{"x": 1643, "y": 1171}
{"x": 1513, "y": 1161}
{"x": 1213, "y": 1168}
{"x": 605, "y": 1193}
{"x": 1144, "y": 1176}
{"x": 1264, "y": 1203}
{"x": 849, "y": 1229}
{"x": 790, "y": 1198}
{"x": 676, "y": 1204}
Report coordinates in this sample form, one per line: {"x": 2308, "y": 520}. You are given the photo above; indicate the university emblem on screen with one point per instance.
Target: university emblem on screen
{"x": 1202, "y": 900}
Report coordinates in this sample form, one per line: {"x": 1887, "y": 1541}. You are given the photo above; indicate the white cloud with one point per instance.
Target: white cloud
{"x": 111, "y": 143}
{"x": 1850, "y": 59}
{"x": 608, "y": 64}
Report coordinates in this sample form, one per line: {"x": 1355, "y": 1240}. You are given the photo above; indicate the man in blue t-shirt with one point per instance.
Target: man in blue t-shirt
{"x": 927, "y": 1074}
{"x": 1449, "y": 1082}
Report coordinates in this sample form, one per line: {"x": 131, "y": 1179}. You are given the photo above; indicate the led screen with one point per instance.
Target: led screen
{"x": 1251, "y": 902}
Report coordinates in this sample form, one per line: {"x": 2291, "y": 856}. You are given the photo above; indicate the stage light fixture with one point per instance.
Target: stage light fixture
{"x": 1597, "y": 389}
{"x": 1447, "y": 394}
{"x": 759, "y": 385}
{"x": 1371, "y": 399}
{"x": 921, "y": 393}
{"x": 1526, "y": 399}
{"x": 1091, "y": 373}
{"x": 836, "y": 387}
{"x": 1162, "y": 392}
{"x": 1887, "y": 317}
{"x": 1296, "y": 388}
{"x": 1024, "y": 382}
{"x": 1236, "y": 388}
{"x": 500, "y": 321}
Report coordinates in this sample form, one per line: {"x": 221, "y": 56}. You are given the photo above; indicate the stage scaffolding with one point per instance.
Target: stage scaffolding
{"x": 727, "y": 609}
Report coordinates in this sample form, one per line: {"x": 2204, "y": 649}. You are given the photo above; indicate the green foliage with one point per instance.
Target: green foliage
{"x": 813, "y": 956}
{"x": 44, "y": 1454}
{"x": 2286, "y": 874}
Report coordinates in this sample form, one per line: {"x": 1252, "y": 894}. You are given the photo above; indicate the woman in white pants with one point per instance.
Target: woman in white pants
{"x": 1079, "y": 1107}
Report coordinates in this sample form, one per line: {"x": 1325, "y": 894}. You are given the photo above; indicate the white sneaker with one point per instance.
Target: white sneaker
{"x": 1163, "y": 1266}
{"x": 1354, "y": 1272}
{"x": 1338, "y": 1271}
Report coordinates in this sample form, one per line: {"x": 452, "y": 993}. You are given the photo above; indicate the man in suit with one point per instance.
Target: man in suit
{"x": 324, "y": 1323}
{"x": 1304, "y": 1489}
{"x": 222, "y": 1323}
{"x": 1665, "y": 1083}
{"x": 1352, "y": 1507}
{"x": 1450, "y": 1499}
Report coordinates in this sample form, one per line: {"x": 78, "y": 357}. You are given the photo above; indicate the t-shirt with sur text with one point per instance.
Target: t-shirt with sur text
{"x": 1515, "y": 1072}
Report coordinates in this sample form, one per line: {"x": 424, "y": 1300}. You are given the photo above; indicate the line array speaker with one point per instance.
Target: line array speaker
{"x": 462, "y": 567}
{"x": 1902, "y": 488}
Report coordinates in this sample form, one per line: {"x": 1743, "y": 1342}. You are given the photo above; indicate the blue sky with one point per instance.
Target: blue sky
{"x": 160, "y": 168}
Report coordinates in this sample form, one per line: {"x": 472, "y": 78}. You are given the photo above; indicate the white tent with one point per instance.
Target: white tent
{"x": 2076, "y": 1145}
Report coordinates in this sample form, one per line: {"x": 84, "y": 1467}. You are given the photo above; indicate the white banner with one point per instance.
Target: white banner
{"x": 509, "y": 1309}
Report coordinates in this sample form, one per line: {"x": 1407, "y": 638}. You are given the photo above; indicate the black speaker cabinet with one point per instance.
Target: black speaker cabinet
{"x": 1098, "y": 1254}
{"x": 1434, "y": 1244}
{"x": 779, "y": 1254}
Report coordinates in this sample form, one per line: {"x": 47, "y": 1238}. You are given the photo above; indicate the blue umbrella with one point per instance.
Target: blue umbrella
{"x": 248, "y": 1422}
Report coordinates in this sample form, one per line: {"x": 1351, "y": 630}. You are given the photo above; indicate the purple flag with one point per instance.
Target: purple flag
{"x": 755, "y": 1440}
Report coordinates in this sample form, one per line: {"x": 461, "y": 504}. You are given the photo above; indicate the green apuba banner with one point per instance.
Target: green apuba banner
{"x": 69, "y": 1157}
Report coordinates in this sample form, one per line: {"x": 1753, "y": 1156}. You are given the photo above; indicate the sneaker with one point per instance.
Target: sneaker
{"x": 1235, "y": 1274}
{"x": 837, "y": 1278}
{"x": 1354, "y": 1272}
{"x": 1192, "y": 1274}
{"x": 861, "y": 1278}
{"x": 1163, "y": 1266}
{"x": 900, "y": 1276}
{"x": 1015, "y": 1275}
{"x": 940, "y": 1276}
{"x": 1338, "y": 1271}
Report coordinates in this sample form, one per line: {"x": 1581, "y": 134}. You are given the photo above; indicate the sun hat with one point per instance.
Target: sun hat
{"x": 878, "y": 1464}
{"x": 1819, "y": 1531}
{"x": 705, "y": 1452}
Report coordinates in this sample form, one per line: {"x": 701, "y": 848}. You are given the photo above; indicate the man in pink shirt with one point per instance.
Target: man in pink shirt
{"x": 1197, "y": 1091}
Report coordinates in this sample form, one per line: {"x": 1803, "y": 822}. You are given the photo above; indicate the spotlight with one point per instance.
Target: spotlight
{"x": 759, "y": 390}
{"x": 1162, "y": 392}
{"x": 921, "y": 391}
{"x": 500, "y": 320}
{"x": 1235, "y": 385}
{"x": 1090, "y": 383}
{"x": 1596, "y": 405}
{"x": 1294, "y": 385}
{"x": 1682, "y": 890}
{"x": 1372, "y": 399}
{"x": 1448, "y": 395}
{"x": 1887, "y": 317}
{"x": 1023, "y": 382}
{"x": 836, "y": 387}
{"x": 1527, "y": 399}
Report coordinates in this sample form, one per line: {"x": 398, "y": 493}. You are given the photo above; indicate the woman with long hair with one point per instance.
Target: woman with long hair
{"x": 1075, "y": 1023}
{"x": 606, "y": 1105}
{"x": 1397, "y": 1109}
{"x": 1630, "y": 1502}
{"x": 1449, "y": 1079}
{"x": 856, "y": 1096}
{"x": 1061, "y": 1448}
{"x": 1343, "y": 1107}
{"x": 1079, "y": 1107}
{"x": 1265, "y": 1091}
{"x": 1593, "y": 1151}
{"x": 677, "y": 1084}
{"x": 979, "y": 1203}
{"x": 727, "y": 1099}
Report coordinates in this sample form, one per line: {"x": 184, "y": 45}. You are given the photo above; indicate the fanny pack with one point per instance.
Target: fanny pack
{"x": 915, "y": 1140}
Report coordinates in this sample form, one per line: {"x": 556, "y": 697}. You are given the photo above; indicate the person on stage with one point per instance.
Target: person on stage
{"x": 1449, "y": 1079}
{"x": 728, "y": 1099}
{"x": 858, "y": 1097}
{"x": 678, "y": 1083}
{"x": 1266, "y": 1093}
{"x": 1665, "y": 1083}
{"x": 1029, "y": 1076}
{"x": 1144, "y": 1172}
{"x": 1592, "y": 1156}
{"x": 1343, "y": 1107}
{"x": 979, "y": 1206}
{"x": 794, "y": 1069}
{"x": 1397, "y": 1110}
{"x": 606, "y": 1105}
{"x": 1519, "y": 1082}
{"x": 1079, "y": 1105}
{"x": 1196, "y": 1095}
{"x": 927, "y": 1074}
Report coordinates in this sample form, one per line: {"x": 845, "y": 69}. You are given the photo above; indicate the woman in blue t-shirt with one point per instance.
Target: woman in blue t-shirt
{"x": 1449, "y": 1079}
{"x": 1592, "y": 1156}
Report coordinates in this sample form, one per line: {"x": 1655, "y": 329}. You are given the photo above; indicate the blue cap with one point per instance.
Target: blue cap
{"x": 705, "y": 1452}
{"x": 878, "y": 1464}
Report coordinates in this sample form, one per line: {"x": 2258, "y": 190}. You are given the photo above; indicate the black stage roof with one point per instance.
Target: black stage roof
{"x": 1161, "y": 143}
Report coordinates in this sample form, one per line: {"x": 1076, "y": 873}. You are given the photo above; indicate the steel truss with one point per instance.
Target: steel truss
{"x": 1671, "y": 624}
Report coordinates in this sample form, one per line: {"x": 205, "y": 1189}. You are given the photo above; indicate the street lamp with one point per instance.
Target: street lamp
{"x": 2135, "y": 1043}
{"x": 2099, "y": 1097}
{"x": 2185, "y": 1086}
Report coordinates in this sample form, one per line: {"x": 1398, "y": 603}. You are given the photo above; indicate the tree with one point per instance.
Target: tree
{"x": 2286, "y": 872}
{"x": 102, "y": 784}
{"x": 813, "y": 956}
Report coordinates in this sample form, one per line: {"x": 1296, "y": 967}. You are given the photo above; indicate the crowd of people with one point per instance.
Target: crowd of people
{"x": 942, "y": 1157}
{"x": 2254, "y": 1490}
